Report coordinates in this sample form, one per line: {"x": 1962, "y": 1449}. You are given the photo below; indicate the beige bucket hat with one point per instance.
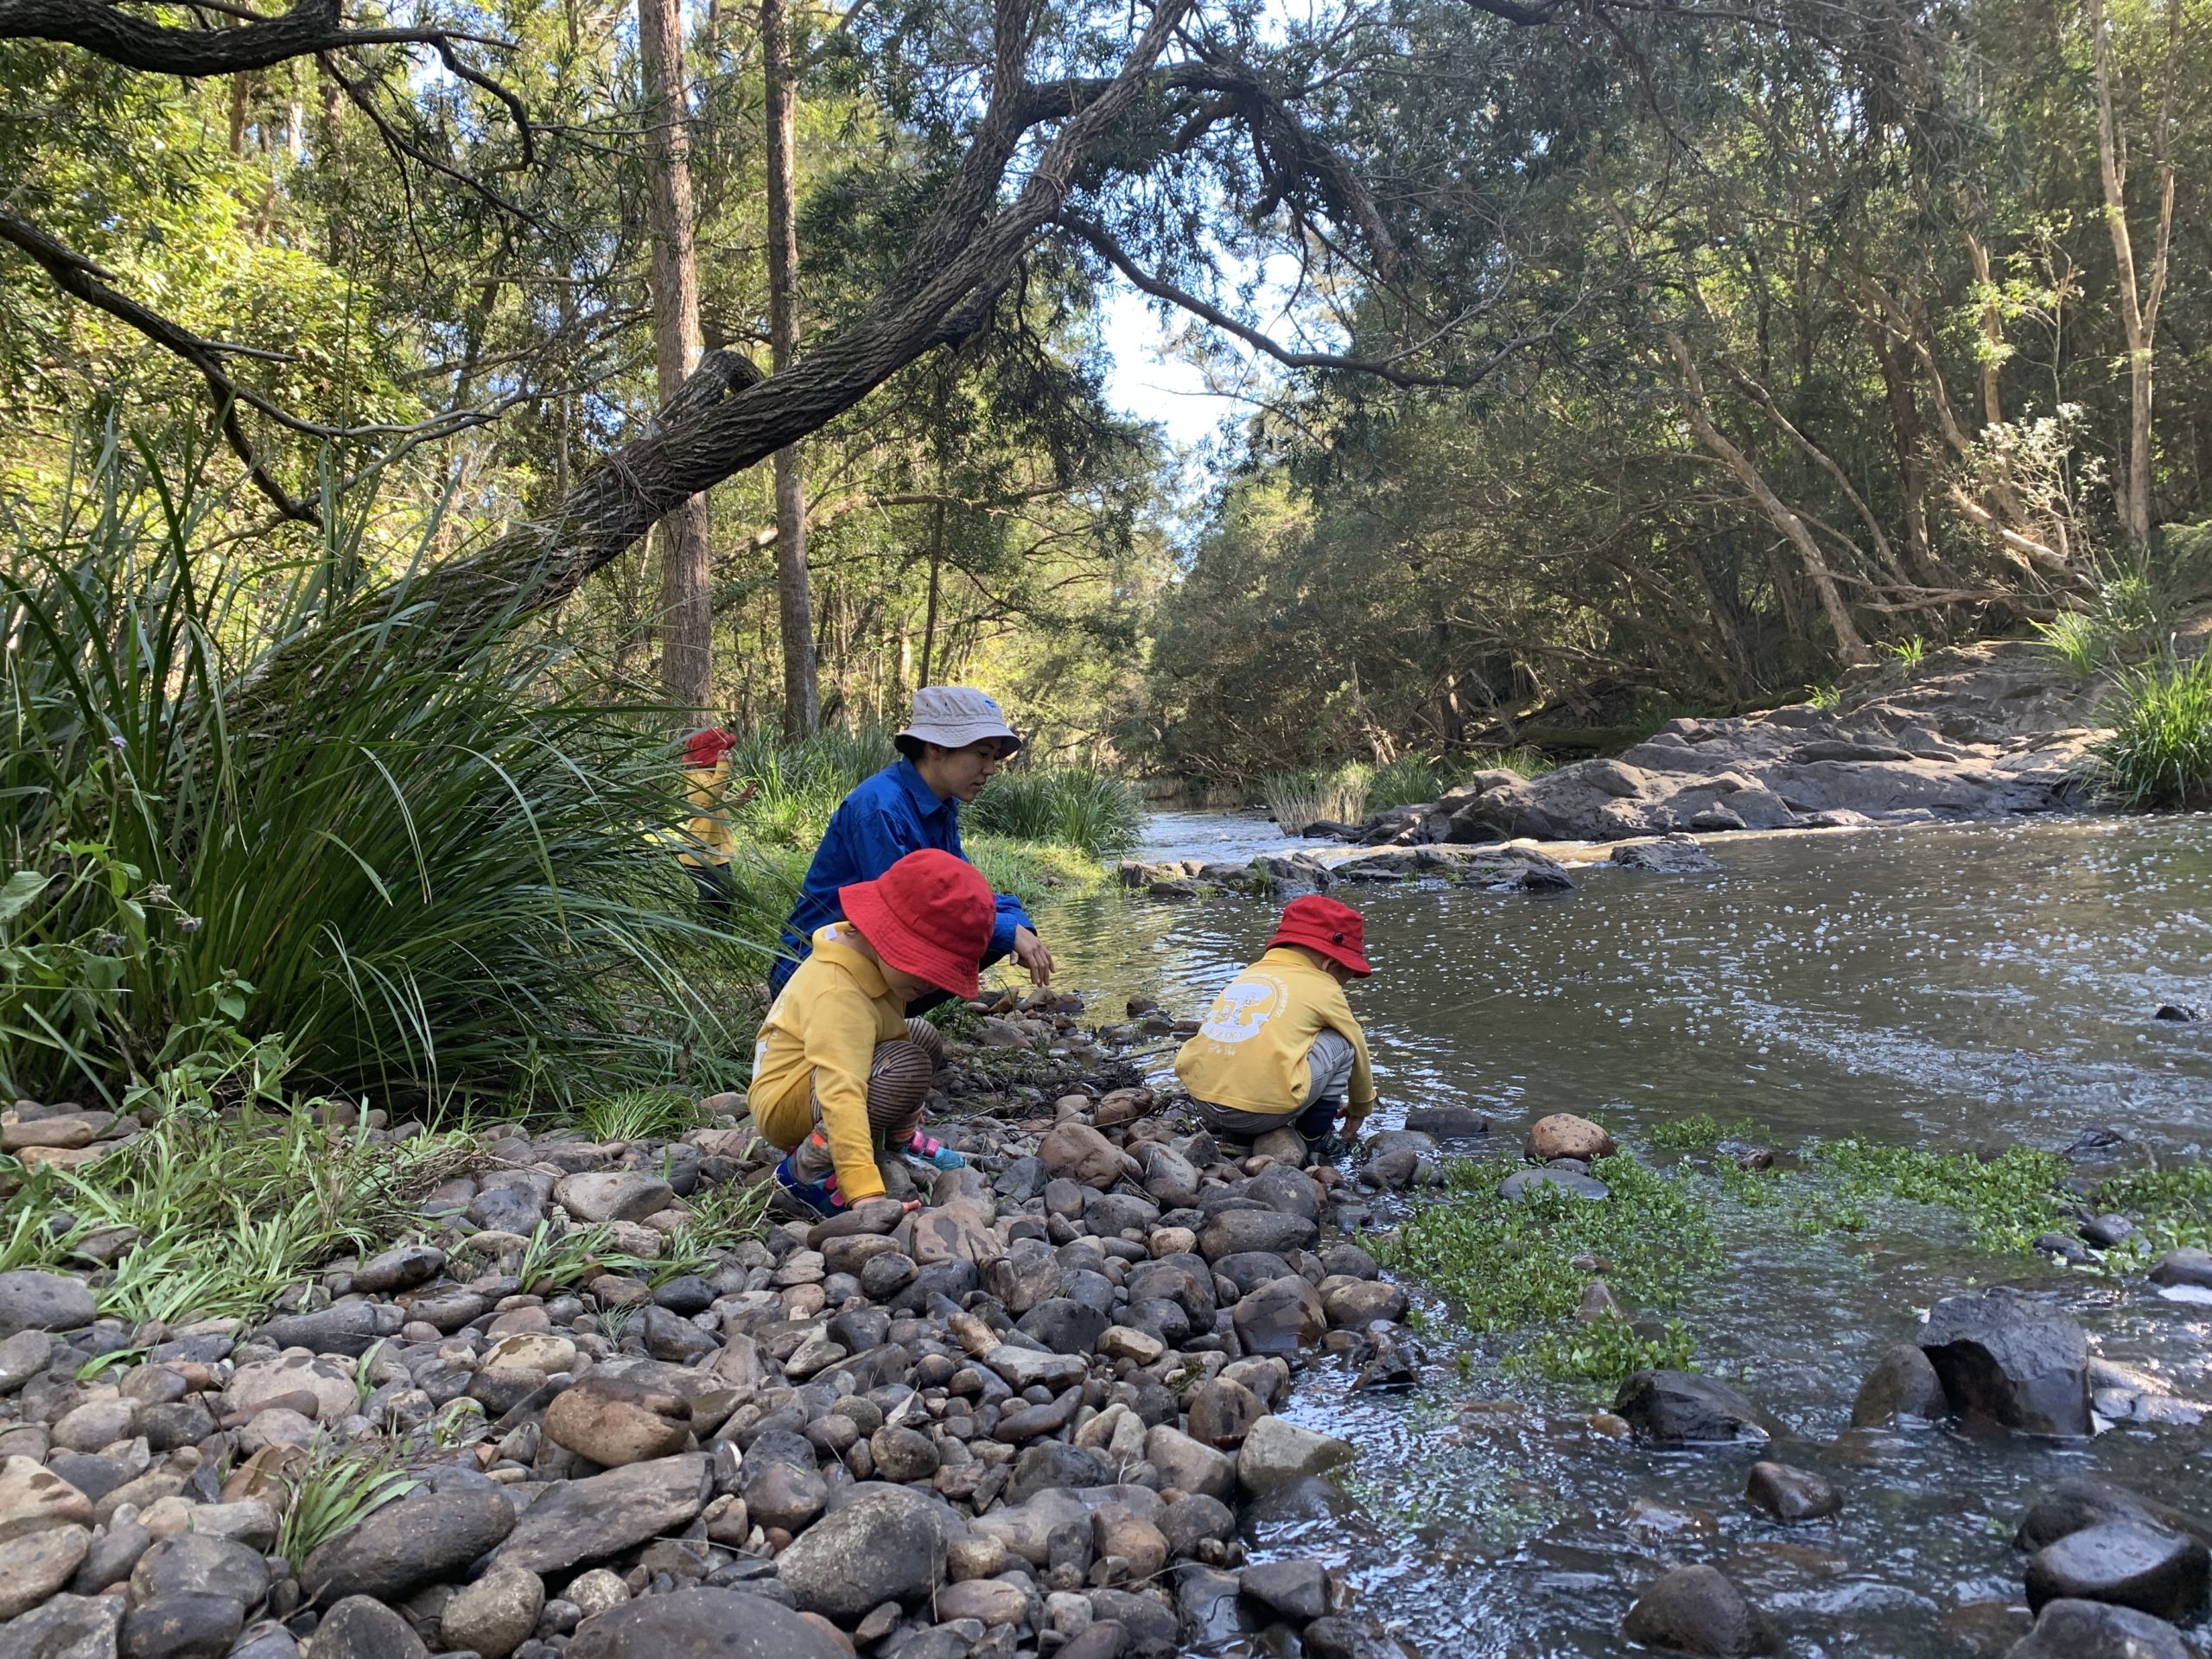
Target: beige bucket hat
{"x": 953, "y": 717}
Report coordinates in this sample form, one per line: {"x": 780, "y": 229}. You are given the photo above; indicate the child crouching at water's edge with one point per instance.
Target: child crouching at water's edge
{"x": 840, "y": 1073}
{"x": 1280, "y": 1048}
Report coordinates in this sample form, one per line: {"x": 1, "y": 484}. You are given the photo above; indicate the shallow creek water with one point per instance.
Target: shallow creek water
{"x": 1953, "y": 987}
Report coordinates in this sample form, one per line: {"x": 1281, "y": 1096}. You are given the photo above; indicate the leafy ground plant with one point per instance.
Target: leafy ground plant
{"x": 1517, "y": 1268}
{"x": 224, "y": 1214}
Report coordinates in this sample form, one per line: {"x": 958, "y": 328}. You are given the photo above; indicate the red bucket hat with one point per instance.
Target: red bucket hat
{"x": 930, "y": 915}
{"x": 706, "y": 747}
{"x": 1336, "y": 931}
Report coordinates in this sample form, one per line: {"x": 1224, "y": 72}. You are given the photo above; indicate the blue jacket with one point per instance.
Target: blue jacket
{"x": 889, "y": 815}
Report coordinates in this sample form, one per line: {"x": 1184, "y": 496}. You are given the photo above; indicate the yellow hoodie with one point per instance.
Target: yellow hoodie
{"x": 1250, "y": 1054}
{"x": 817, "y": 1043}
{"x": 704, "y": 786}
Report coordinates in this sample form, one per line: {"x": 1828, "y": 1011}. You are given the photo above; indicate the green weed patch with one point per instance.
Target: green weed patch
{"x": 1516, "y": 1269}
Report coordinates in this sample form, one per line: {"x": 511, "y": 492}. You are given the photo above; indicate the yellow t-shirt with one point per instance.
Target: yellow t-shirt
{"x": 709, "y": 826}
{"x": 1250, "y": 1054}
{"x": 816, "y": 1043}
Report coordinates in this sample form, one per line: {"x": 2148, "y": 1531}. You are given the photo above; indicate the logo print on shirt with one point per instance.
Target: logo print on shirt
{"x": 1239, "y": 1011}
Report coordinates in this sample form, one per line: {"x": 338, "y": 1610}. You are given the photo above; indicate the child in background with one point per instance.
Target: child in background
{"x": 1280, "y": 1048}
{"x": 840, "y": 1072}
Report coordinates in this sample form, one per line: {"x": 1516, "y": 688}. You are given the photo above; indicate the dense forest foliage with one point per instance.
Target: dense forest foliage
{"x": 1889, "y": 329}
{"x": 1603, "y": 361}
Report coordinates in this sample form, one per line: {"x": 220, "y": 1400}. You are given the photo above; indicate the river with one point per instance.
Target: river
{"x": 1957, "y": 987}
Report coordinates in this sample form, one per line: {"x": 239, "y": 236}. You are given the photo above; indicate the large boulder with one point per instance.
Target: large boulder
{"x": 360, "y": 1628}
{"x": 1792, "y": 1495}
{"x": 1079, "y": 1152}
{"x": 885, "y": 1546}
{"x": 1683, "y": 1408}
{"x": 1277, "y": 1452}
{"x": 423, "y": 1538}
{"x": 614, "y": 1421}
{"x": 1279, "y": 1317}
{"x": 2096, "y": 1630}
{"x": 703, "y": 1624}
{"x": 1902, "y": 1384}
{"x": 590, "y": 1520}
{"x": 1565, "y": 1135}
{"x": 2166, "y": 1575}
{"x": 613, "y": 1195}
{"x": 1697, "y": 1609}
{"x": 67, "y": 1627}
{"x": 1234, "y": 1232}
{"x": 32, "y": 1301}
{"x": 2012, "y": 1358}
{"x": 2074, "y": 1504}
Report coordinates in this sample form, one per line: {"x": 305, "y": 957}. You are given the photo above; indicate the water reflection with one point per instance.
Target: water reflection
{"x": 1955, "y": 985}
{"x": 1952, "y": 987}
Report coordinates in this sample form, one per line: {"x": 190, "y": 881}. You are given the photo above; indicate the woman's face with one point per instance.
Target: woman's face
{"x": 960, "y": 774}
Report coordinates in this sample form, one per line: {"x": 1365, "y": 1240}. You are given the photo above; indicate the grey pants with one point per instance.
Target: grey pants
{"x": 1328, "y": 1066}
{"x": 898, "y": 1078}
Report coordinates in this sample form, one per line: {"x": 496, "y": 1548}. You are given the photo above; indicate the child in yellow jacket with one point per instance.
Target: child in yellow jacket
{"x": 840, "y": 1072}
{"x": 1279, "y": 1047}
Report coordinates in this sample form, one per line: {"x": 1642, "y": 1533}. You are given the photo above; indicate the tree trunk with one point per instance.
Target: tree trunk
{"x": 1849, "y": 646}
{"x": 2138, "y": 313}
{"x": 794, "y": 606}
{"x": 929, "y": 620}
{"x": 687, "y": 608}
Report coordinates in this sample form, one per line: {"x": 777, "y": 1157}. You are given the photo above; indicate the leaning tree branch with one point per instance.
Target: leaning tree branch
{"x": 1385, "y": 369}
{"x": 83, "y": 279}
{"x": 138, "y": 43}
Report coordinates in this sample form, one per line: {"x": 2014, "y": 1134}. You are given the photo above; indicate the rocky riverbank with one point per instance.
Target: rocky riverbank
{"x": 1021, "y": 1421}
{"x": 1974, "y": 732}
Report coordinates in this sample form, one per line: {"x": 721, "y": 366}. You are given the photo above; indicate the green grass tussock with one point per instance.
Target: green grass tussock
{"x": 2161, "y": 752}
{"x": 1298, "y": 800}
{"x": 1517, "y": 1269}
{"x": 1066, "y": 806}
{"x": 639, "y": 1114}
{"x": 431, "y": 877}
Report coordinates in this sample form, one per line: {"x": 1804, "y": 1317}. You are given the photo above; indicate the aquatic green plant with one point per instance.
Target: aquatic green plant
{"x": 1906, "y": 654}
{"x": 1517, "y": 1268}
{"x": 1606, "y": 1351}
{"x": 2005, "y": 1201}
{"x": 1826, "y": 698}
{"x": 1698, "y": 1132}
{"x": 2159, "y": 753}
{"x": 2171, "y": 1206}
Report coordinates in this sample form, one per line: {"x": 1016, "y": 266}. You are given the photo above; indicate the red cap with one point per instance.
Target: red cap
{"x": 930, "y": 915}
{"x": 1336, "y": 931}
{"x": 706, "y": 747}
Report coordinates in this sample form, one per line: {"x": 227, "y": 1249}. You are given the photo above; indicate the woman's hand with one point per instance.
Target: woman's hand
{"x": 1029, "y": 950}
